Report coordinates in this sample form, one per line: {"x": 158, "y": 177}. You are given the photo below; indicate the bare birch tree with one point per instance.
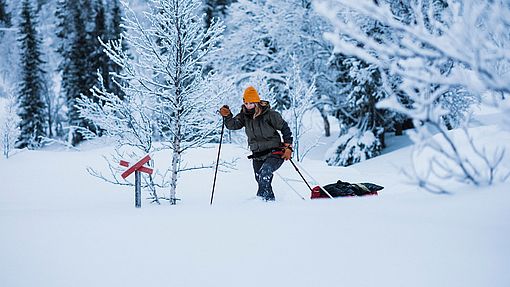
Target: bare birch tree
{"x": 169, "y": 96}
{"x": 301, "y": 99}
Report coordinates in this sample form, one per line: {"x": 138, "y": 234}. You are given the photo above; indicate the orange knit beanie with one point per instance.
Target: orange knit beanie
{"x": 250, "y": 95}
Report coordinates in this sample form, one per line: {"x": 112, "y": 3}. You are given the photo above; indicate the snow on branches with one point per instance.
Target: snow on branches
{"x": 168, "y": 95}
{"x": 446, "y": 55}
{"x": 301, "y": 99}
{"x": 472, "y": 34}
{"x": 9, "y": 124}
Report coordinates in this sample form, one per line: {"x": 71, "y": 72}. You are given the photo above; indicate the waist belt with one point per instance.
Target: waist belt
{"x": 276, "y": 150}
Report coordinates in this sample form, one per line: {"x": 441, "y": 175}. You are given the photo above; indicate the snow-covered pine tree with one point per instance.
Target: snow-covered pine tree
{"x": 76, "y": 82}
{"x": 115, "y": 31}
{"x": 79, "y": 24}
{"x": 115, "y": 27}
{"x": 73, "y": 67}
{"x": 9, "y": 124}
{"x": 353, "y": 102}
{"x": 5, "y": 16}
{"x": 165, "y": 73}
{"x": 54, "y": 102}
{"x": 99, "y": 59}
{"x": 63, "y": 29}
{"x": 215, "y": 9}
{"x": 31, "y": 88}
{"x": 362, "y": 124}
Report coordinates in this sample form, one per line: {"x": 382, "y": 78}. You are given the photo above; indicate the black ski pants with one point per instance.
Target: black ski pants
{"x": 264, "y": 170}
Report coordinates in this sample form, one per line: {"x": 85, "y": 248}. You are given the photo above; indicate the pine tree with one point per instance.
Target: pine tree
{"x": 363, "y": 125}
{"x": 63, "y": 29}
{"x": 93, "y": 19}
{"x": 99, "y": 59}
{"x": 116, "y": 28}
{"x": 359, "y": 89}
{"x": 30, "y": 96}
{"x": 115, "y": 31}
{"x": 79, "y": 25}
{"x": 75, "y": 82}
{"x": 5, "y": 17}
{"x": 215, "y": 9}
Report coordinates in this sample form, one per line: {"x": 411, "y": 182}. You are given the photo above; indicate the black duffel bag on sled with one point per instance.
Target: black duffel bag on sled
{"x": 341, "y": 189}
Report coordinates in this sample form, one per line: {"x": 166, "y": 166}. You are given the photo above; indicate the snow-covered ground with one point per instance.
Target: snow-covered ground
{"x": 61, "y": 227}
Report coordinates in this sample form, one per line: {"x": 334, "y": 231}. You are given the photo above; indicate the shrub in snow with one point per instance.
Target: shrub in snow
{"x": 354, "y": 146}
{"x": 462, "y": 155}
{"x": 9, "y": 125}
{"x": 449, "y": 155}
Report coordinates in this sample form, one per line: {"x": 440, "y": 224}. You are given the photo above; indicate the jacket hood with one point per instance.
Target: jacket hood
{"x": 263, "y": 104}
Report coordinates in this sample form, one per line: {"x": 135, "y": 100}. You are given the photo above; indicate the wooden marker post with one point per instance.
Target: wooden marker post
{"x": 137, "y": 168}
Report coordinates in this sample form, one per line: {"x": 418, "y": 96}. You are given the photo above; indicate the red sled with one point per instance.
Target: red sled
{"x": 345, "y": 189}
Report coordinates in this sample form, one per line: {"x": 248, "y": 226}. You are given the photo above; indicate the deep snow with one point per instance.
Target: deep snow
{"x": 62, "y": 227}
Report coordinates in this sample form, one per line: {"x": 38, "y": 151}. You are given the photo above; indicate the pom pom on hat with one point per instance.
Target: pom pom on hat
{"x": 250, "y": 95}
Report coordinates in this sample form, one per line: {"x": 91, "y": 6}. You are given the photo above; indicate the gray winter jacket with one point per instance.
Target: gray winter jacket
{"x": 262, "y": 131}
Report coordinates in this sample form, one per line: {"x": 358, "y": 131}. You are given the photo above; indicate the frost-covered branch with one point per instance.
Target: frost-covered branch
{"x": 9, "y": 124}
{"x": 445, "y": 55}
{"x": 473, "y": 34}
{"x": 168, "y": 96}
{"x": 301, "y": 96}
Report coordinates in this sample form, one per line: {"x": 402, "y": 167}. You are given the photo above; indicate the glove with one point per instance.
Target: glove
{"x": 287, "y": 152}
{"x": 225, "y": 111}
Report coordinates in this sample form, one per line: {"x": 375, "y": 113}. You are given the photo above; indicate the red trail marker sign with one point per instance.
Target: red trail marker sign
{"x": 137, "y": 168}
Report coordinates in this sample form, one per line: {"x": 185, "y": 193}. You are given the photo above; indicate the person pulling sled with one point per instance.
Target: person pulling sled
{"x": 261, "y": 124}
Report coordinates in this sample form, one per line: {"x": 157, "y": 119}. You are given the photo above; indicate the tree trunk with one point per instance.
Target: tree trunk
{"x": 327, "y": 130}
{"x": 398, "y": 129}
{"x": 176, "y": 158}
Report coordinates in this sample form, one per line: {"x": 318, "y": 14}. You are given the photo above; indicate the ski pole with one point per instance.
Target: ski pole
{"x": 291, "y": 161}
{"x": 297, "y": 169}
{"x": 218, "y": 159}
